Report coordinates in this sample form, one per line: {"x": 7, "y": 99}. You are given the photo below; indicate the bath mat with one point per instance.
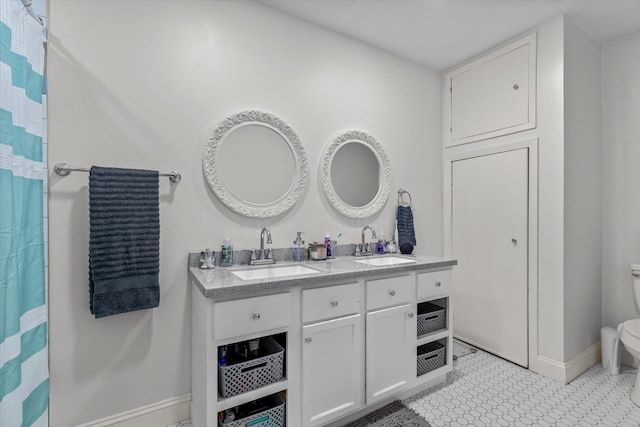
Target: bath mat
{"x": 394, "y": 414}
{"x": 461, "y": 349}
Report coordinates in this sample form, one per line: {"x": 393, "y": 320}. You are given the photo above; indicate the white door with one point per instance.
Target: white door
{"x": 489, "y": 240}
{"x": 389, "y": 359}
{"x": 331, "y": 369}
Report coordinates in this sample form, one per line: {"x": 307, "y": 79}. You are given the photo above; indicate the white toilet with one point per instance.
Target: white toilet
{"x": 630, "y": 332}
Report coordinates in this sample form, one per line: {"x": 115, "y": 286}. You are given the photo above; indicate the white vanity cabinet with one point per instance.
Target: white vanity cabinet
{"x": 390, "y": 336}
{"x": 216, "y": 324}
{"x": 349, "y": 337}
{"x": 331, "y": 353}
{"x": 434, "y": 339}
{"x": 493, "y": 95}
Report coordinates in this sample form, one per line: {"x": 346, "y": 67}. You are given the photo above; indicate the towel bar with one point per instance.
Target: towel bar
{"x": 400, "y": 193}
{"x": 63, "y": 169}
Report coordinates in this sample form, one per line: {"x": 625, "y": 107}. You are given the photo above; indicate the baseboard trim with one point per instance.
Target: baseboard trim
{"x": 568, "y": 371}
{"x": 163, "y": 413}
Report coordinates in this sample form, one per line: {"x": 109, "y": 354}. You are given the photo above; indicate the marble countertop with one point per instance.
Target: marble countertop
{"x": 220, "y": 282}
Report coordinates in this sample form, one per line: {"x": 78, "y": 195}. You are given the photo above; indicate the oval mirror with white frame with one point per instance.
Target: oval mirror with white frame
{"x": 255, "y": 164}
{"x": 355, "y": 174}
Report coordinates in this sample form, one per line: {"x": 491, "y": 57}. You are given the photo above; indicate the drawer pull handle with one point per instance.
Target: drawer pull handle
{"x": 307, "y": 339}
{"x": 251, "y": 368}
{"x": 334, "y": 303}
{"x": 410, "y": 315}
{"x": 256, "y": 316}
{"x": 438, "y": 284}
{"x": 516, "y": 87}
{"x": 392, "y": 293}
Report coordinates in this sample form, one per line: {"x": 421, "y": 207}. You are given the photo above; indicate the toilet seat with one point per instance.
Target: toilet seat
{"x": 632, "y": 327}
{"x": 630, "y": 335}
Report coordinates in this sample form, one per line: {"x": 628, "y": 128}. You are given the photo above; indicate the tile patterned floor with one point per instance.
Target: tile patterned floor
{"x": 484, "y": 390}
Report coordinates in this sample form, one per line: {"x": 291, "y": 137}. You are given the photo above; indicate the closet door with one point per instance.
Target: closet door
{"x": 489, "y": 240}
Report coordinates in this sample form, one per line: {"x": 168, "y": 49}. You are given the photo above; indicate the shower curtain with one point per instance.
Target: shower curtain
{"x": 24, "y": 376}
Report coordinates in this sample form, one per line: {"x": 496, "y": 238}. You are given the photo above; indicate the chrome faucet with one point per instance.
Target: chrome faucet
{"x": 262, "y": 256}
{"x": 373, "y": 233}
{"x": 262, "y": 232}
{"x": 363, "y": 248}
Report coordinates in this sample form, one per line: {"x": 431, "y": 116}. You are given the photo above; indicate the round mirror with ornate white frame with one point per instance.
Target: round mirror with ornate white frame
{"x": 355, "y": 174}
{"x": 255, "y": 164}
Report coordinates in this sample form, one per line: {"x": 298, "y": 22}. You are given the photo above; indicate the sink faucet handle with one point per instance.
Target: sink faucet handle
{"x": 254, "y": 255}
{"x": 269, "y": 254}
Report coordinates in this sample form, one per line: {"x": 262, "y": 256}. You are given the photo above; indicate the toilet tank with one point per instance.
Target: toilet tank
{"x": 635, "y": 275}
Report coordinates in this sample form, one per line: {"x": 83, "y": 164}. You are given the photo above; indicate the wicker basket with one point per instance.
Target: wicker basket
{"x": 272, "y": 417}
{"x": 430, "y": 356}
{"x": 431, "y": 318}
{"x": 254, "y": 373}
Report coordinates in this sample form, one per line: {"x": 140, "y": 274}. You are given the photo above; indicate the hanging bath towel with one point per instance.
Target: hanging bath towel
{"x": 124, "y": 240}
{"x": 406, "y": 232}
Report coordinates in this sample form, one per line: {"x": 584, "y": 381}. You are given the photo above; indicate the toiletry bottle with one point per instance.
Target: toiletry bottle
{"x": 298, "y": 248}
{"x": 327, "y": 240}
{"x": 227, "y": 253}
{"x": 381, "y": 243}
{"x": 222, "y": 356}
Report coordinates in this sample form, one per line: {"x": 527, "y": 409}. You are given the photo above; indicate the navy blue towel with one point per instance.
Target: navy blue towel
{"x": 406, "y": 232}
{"x": 124, "y": 240}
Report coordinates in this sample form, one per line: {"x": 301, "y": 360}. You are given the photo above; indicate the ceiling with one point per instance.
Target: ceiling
{"x": 443, "y": 33}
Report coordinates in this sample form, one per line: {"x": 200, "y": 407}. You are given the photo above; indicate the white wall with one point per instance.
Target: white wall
{"x": 583, "y": 192}
{"x": 621, "y": 177}
{"x": 141, "y": 88}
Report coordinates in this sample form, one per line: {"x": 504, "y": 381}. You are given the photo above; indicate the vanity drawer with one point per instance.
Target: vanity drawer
{"x": 246, "y": 316}
{"x": 387, "y": 292}
{"x": 434, "y": 283}
{"x": 330, "y": 302}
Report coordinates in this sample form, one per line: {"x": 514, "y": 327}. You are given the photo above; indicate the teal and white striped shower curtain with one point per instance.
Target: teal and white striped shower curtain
{"x": 24, "y": 376}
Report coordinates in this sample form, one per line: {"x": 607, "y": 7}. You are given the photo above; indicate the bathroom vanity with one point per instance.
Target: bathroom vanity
{"x": 337, "y": 338}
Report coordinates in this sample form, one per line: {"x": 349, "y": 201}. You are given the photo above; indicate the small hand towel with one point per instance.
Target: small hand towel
{"x": 406, "y": 232}
{"x": 124, "y": 240}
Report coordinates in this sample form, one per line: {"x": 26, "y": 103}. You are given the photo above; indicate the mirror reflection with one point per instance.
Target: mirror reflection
{"x": 256, "y": 164}
{"x": 355, "y": 174}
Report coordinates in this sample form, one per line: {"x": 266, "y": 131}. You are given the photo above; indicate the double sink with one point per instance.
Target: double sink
{"x": 274, "y": 271}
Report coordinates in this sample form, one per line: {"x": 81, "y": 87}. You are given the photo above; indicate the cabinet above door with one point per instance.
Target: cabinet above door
{"x": 493, "y": 95}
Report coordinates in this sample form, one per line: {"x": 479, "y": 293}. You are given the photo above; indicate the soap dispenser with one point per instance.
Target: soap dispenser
{"x": 298, "y": 248}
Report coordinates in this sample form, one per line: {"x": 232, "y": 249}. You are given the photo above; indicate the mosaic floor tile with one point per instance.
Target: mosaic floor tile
{"x": 493, "y": 392}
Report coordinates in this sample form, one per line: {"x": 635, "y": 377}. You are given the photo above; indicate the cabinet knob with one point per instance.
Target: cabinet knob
{"x": 307, "y": 340}
{"x": 438, "y": 284}
{"x": 410, "y": 315}
{"x": 334, "y": 303}
{"x": 392, "y": 293}
{"x": 256, "y": 316}
{"x": 516, "y": 87}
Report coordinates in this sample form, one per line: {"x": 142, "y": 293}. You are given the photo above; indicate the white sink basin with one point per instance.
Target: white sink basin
{"x": 274, "y": 272}
{"x": 383, "y": 261}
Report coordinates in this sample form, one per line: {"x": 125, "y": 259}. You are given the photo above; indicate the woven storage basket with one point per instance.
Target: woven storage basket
{"x": 430, "y": 356}
{"x": 254, "y": 373}
{"x": 272, "y": 417}
{"x": 431, "y": 318}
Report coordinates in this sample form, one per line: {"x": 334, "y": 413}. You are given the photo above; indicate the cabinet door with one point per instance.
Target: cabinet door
{"x": 390, "y": 351}
{"x": 494, "y": 95}
{"x": 489, "y": 224}
{"x": 331, "y": 369}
